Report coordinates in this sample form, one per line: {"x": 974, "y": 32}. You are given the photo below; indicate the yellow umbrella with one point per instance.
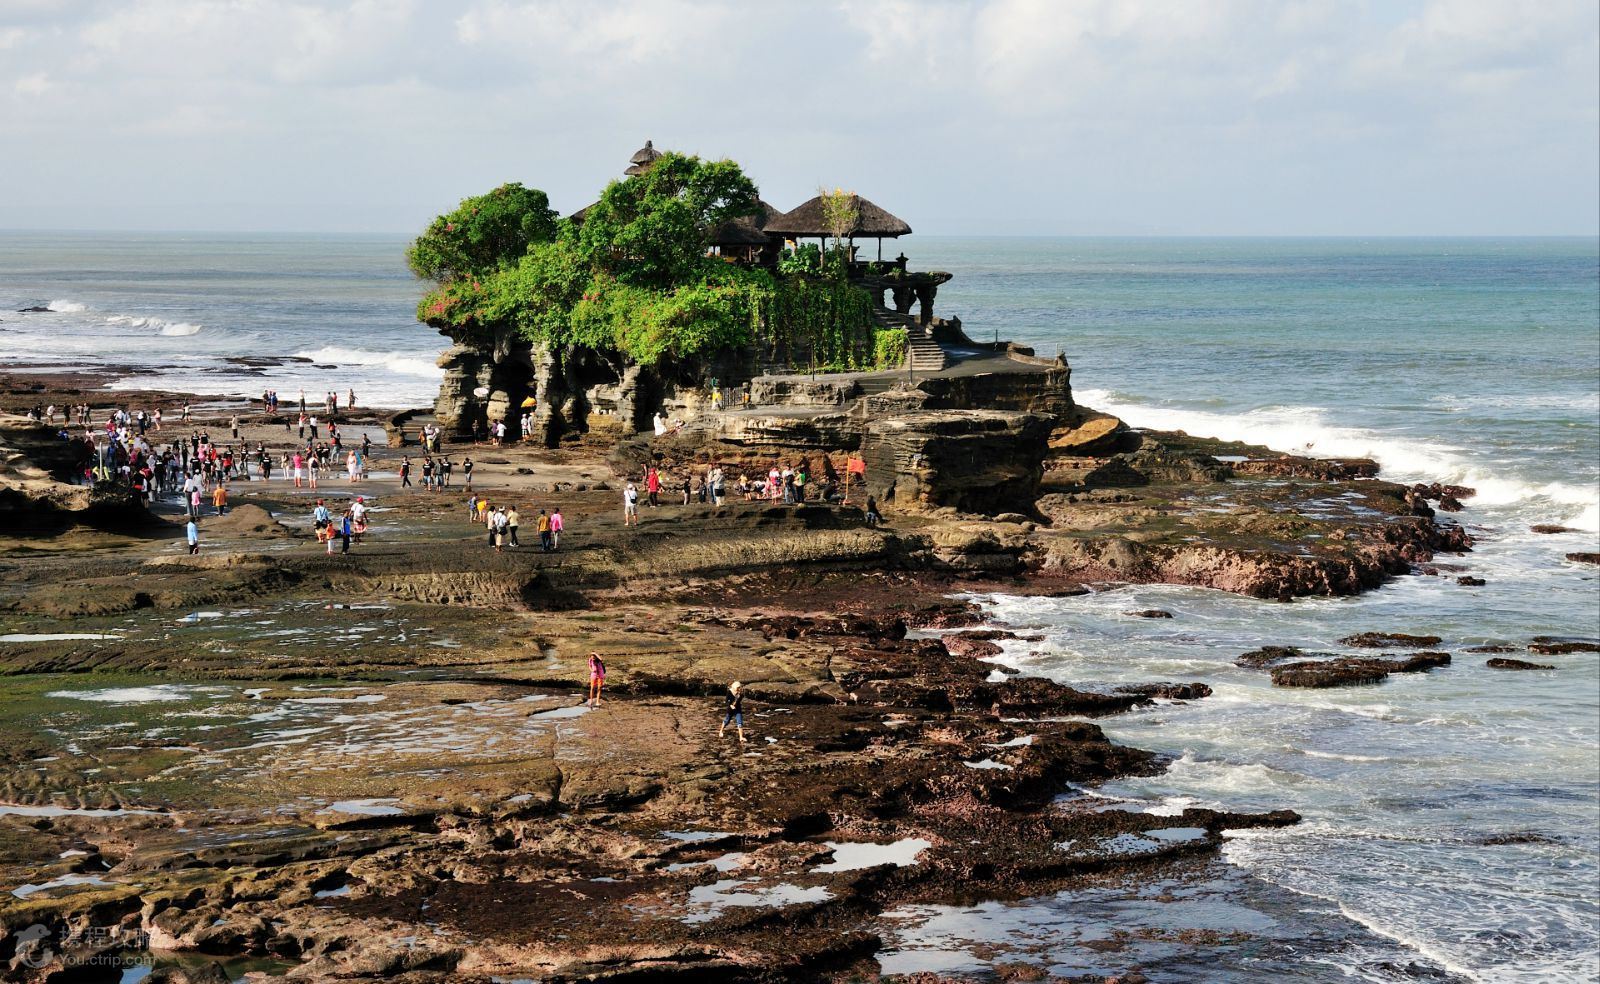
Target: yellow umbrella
{"x": 527, "y": 402}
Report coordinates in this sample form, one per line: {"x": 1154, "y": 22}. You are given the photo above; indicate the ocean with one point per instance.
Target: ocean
{"x": 181, "y": 306}
{"x": 1452, "y": 817}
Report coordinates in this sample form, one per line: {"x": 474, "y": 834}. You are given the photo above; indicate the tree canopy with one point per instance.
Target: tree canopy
{"x": 634, "y": 277}
{"x": 483, "y": 235}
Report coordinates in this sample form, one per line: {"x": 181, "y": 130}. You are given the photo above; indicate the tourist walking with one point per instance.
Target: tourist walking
{"x": 652, "y": 484}
{"x": 630, "y": 506}
{"x": 734, "y": 711}
{"x": 544, "y": 531}
{"x": 321, "y": 519}
{"x": 597, "y": 678}
{"x": 405, "y": 473}
{"x": 555, "y": 528}
{"x": 874, "y": 518}
{"x": 513, "y": 521}
{"x": 192, "y": 531}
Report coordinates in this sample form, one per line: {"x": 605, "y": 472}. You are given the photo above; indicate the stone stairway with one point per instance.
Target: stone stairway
{"x": 925, "y": 353}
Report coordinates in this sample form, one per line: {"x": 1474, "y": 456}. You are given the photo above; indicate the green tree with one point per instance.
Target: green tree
{"x": 484, "y": 234}
{"x": 652, "y": 229}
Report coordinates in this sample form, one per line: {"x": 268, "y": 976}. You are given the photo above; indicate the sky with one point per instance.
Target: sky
{"x": 1002, "y": 117}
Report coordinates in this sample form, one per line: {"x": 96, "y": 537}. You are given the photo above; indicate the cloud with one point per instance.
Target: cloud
{"x": 1059, "y": 115}
{"x": 36, "y": 84}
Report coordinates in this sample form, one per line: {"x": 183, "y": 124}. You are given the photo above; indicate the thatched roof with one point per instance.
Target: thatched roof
{"x": 746, "y": 229}
{"x": 642, "y": 159}
{"x": 872, "y": 222}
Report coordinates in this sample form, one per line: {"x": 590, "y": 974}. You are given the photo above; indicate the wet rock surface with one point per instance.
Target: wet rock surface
{"x": 1390, "y": 640}
{"x": 1552, "y": 646}
{"x": 380, "y": 766}
{"x": 1348, "y": 671}
{"x": 1501, "y": 663}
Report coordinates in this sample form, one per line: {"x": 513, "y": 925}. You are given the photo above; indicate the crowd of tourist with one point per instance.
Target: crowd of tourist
{"x": 138, "y": 450}
{"x": 785, "y": 482}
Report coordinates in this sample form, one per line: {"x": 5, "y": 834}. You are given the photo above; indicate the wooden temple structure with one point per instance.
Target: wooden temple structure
{"x": 759, "y": 240}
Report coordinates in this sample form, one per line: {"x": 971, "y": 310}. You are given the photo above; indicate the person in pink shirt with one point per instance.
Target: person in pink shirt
{"x": 299, "y": 464}
{"x": 597, "y": 678}
{"x": 555, "y": 529}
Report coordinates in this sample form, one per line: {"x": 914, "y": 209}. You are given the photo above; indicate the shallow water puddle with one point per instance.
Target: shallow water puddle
{"x": 332, "y": 893}
{"x": 694, "y": 836}
{"x": 987, "y": 763}
{"x": 12, "y": 809}
{"x": 745, "y": 892}
{"x": 1177, "y": 834}
{"x": 136, "y": 695}
{"x": 24, "y": 891}
{"x": 1021, "y": 742}
{"x": 723, "y": 863}
{"x": 377, "y": 807}
{"x": 855, "y": 856}
{"x": 54, "y": 636}
{"x": 572, "y": 711}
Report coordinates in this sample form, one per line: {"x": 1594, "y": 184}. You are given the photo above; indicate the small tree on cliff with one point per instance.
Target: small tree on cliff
{"x": 841, "y": 210}
{"x": 483, "y": 235}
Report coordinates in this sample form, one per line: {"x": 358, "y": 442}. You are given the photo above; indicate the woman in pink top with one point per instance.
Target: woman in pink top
{"x": 597, "y": 678}
{"x": 555, "y": 529}
{"x": 299, "y": 463}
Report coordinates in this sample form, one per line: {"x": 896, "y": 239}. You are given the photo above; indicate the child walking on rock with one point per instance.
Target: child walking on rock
{"x": 735, "y": 711}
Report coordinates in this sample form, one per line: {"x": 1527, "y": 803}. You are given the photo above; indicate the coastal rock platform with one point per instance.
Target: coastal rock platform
{"x": 382, "y": 765}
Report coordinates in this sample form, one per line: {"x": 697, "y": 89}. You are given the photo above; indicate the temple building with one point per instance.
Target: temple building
{"x": 487, "y": 381}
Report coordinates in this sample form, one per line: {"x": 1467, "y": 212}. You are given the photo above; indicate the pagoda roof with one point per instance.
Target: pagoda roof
{"x": 872, "y": 221}
{"x": 745, "y": 230}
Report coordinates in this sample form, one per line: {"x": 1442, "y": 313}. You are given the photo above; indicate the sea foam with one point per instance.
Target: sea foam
{"x": 1304, "y": 430}
{"x": 396, "y": 362}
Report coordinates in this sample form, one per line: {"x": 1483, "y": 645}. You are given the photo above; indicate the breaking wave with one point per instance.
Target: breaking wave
{"x": 395, "y": 362}
{"x": 1303, "y": 430}
{"x": 169, "y": 328}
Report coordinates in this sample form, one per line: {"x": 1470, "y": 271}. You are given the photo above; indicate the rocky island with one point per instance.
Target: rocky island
{"x": 265, "y": 758}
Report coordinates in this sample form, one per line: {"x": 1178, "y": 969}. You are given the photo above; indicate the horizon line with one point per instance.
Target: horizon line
{"x": 1594, "y": 235}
